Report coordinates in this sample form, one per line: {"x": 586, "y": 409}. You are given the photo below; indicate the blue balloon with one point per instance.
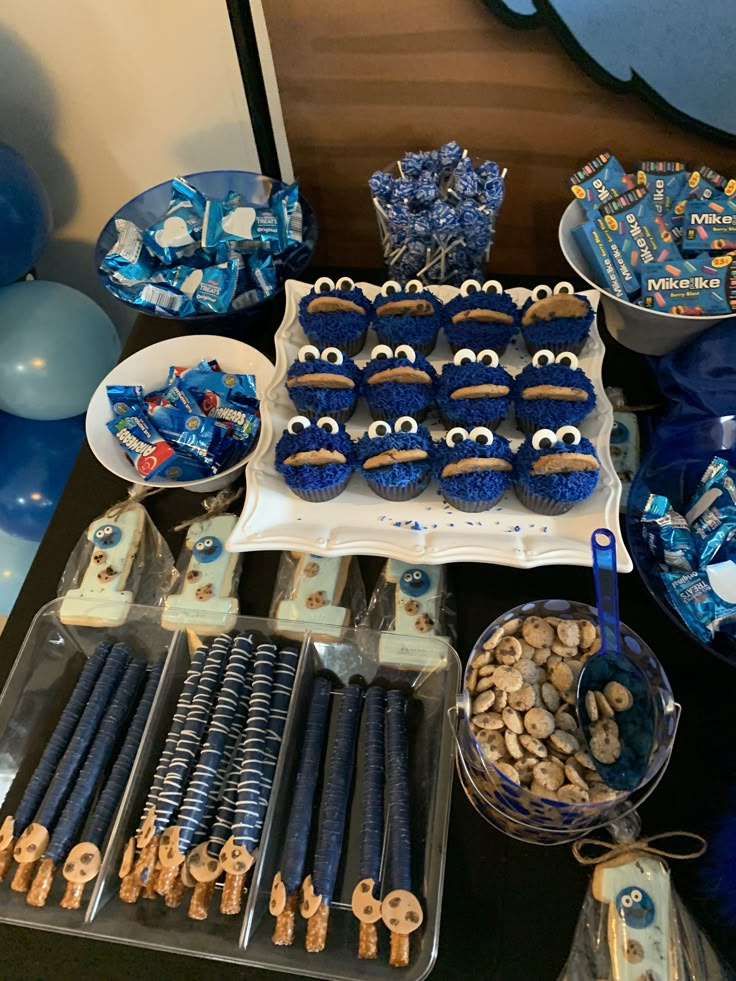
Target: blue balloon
{"x": 56, "y": 345}
{"x": 25, "y": 216}
{"x": 15, "y": 561}
{"x": 36, "y": 459}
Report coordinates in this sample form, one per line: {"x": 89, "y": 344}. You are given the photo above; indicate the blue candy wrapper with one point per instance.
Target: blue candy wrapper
{"x": 203, "y": 439}
{"x": 230, "y": 399}
{"x": 128, "y": 257}
{"x": 150, "y": 453}
{"x": 668, "y": 535}
{"x": 598, "y": 181}
{"x": 178, "y": 397}
{"x": 177, "y": 372}
{"x": 211, "y": 290}
{"x": 179, "y": 232}
{"x": 706, "y": 600}
{"x": 125, "y": 400}
{"x": 249, "y": 227}
{"x": 156, "y": 296}
{"x": 712, "y": 512}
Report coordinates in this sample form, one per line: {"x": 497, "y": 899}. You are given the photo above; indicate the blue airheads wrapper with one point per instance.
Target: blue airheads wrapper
{"x": 227, "y": 398}
{"x": 598, "y": 181}
{"x": 179, "y": 232}
{"x": 177, "y": 372}
{"x": 247, "y": 226}
{"x": 125, "y": 400}
{"x": 194, "y": 435}
{"x": 706, "y": 600}
{"x": 712, "y": 512}
{"x": 150, "y": 453}
{"x": 668, "y": 535}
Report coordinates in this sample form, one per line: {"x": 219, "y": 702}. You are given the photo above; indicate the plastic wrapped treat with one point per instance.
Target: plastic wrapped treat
{"x": 324, "y": 592}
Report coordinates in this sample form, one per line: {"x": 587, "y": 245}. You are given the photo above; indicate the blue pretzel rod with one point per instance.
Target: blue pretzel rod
{"x": 294, "y": 855}
{"x": 399, "y": 839}
{"x": 335, "y": 795}
{"x": 371, "y": 838}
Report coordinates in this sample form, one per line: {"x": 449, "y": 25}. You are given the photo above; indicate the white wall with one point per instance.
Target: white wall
{"x": 105, "y": 100}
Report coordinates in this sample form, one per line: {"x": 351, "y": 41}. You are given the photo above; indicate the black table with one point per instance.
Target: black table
{"x": 509, "y": 908}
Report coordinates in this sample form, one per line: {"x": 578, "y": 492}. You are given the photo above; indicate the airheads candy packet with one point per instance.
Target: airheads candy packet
{"x": 666, "y": 181}
{"x": 710, "y": 225}
{"x": 125, "y": 400}
{"x": 179, "y": 232}
{"x": 643, "y": 234}
{"x": 149, "y": 452}
{"x": 608, "y": 266}
{"x": 706, "y": 600}
{"x": 668, "y": 535}
{"x": 230, "y": 399}
{"x": 600, "y": 180}
{"x": 698, "y": 287}
{"x": 247, "y": 226}
{"x": 195, "y": 435}
{"x": 177, "y": 371}
{"x": 712, "y": 512}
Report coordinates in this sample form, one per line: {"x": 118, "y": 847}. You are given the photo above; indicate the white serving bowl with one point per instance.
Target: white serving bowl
{"x": 645, "y": 331}
{"x": 149, "y": 368}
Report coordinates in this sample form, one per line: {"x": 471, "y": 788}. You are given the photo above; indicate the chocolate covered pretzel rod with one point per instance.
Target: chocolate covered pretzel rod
{"x": 238, "y": 853}
{"x": 80, "y": 798}
{"x": 318, "y": 888}
{"x": 32, "y": 843}
{"x": 286, "y": 883}
{"x": 52, "y": 754}
{"x": 83, "y": 861}
{"x": 132, "y": 871}
{"x": 367, "y": 894}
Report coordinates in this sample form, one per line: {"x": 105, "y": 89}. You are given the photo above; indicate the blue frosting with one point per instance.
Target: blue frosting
{"x": 335, "y": 329}
{"x": 314, "y": 477}
{"x": 472, "y": 412}
{"x": 481, "y": 486}
{"x": 317, "y": 402}
{"x": 558, "y": 330}
{"x": 551, "y": 413}
{"x": 559, "y": 486}
{"x": 416, "y": 331}
{"x": 398, "y": 474}
{"x": 389, "y": 400}
{"x": 476, "y": 335}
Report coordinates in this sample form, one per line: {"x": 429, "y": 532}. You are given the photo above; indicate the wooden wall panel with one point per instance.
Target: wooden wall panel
{"x": 362, "y": 81}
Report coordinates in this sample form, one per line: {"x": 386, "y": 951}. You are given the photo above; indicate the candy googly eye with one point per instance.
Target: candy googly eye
{"x": 378, "y": 429}
{"x": 406, "y": 352}
{"x": 568, "y": 435}
{"x": 308, "y": 353}
{"x": 469, "y": 286}
{"x": 414, "y": 286}
{"x": 544, "y": 439}
{"x": 456, "y": 435}
{"x": 627, "y": 901}
{"x": 417, "y": 575}
{"x": 406, "y": 424}
{"x": 199, "y": 546}
{"x": 541, "y": 292}
{"x": 297, "y": 424}
{"x": 488, "y": 358}
{"x": 345, "y": 283}
{"x": 323, "y": 285}
{"x": 542, "y": 358}
{"x": 108, "y": 529}
{"x": 329, "y": 425}
{"x": 407, "y": 577}
{"x": 563, "y": 287}
{"x": 381, "y": 352}
{"x": 492, "y": 286}
{"x": 567, "y": 358}
{"x": 636, "y": 895}
{"x": 332, "y": 355}
{"x": 464, "y": 356}
{"x": 481, "y": 435}
{"x": 390, "y": 287}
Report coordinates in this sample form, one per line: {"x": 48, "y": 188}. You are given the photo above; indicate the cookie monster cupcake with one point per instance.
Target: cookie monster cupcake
{"x": 552, "y": 391}
{"x": 336, "y": 316}
{"x": 395, "y": 460}
{"x": 323, "y": 383}
{"x": 473, "y": 468}
{"x": 481, "y": 319}
{"x": 557, "y": 322}
{"x": 555, "y": 470}
{"x": 398, "y": 382}
{"x": 411, "y": 316}
{"x": 474, "y": 391}
{"x": 315, "y": 460}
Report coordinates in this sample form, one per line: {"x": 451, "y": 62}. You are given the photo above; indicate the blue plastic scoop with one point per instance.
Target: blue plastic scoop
{"x": 612, "y": 687}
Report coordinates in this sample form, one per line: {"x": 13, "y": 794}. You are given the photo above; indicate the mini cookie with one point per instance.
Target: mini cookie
{"x": 480, "y": 660}
{"x": 511, "y": 626}
{"x": 565, "y": 721}
{"x": 585, "y": 759}
{"x": 550, "y": 696}
{"x": 501, "y": 701}
{"x": 561, "y": 677}
{"x": 509, "y": 646}
{"x": 595, "y": 646}
{"x": 574, "y": 773}
{"x": 512, "y": 744}
{"x": 569, "y": 633}
{"x": 508, "y": 679}
{"x": 576, "y": 667}
{"x": 587, "y": 633}
{"x": 553, "y": 620}
{"x": 492, "y": 745}
{"x": 552, "y": 659}
{"x": 563, "y": 651}
{"x": 538, "y": 790}
{"x": 601, "y": 793}
{"x": 565, "y": 742}
{"x": 549, "y": 774}
{"x": 605, "y": 711}
{"x": 618, "y": 696}
{"x": 487, "y": 670}
{"x": 488, "y": 720}
{"x": 472, "y": 680}
{"x": 525, "y": 768}
{"x": 513, "y": 721}
{"x": 538, "y": 632}
{"x": 523, "y": 699}
{"x": 539, "y": 722}
{"x": 534, "y": 746}
{"x": 571, "y": 793}
{"x": 483, "y": 702}
{"x": 591, "y": 706}
{"x": 509, "y": 772}
{"x": 483, "y": 684}
{"x": 605, "y": 744}
{"x": 526, "y": 649}
{"x": 529, "y": 671}
{"x": 495, "y": 637}
{"x": 542, "y": 655}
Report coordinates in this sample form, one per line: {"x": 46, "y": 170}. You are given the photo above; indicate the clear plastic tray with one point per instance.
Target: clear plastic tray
{"x": 45, "y": 671}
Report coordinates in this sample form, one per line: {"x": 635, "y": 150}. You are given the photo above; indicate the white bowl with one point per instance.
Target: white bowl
{"x": 645, "y": 331}
{"x": 149, "y": 368}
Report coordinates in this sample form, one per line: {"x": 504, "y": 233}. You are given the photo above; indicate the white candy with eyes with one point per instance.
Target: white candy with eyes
{"x": 470, "y": 286}
{"x": 325, "y": 285}
{"x": 570, "y": 435}
{"x": 390, "y": 287}
{"x": 546, "y": 439}
{"x": 383, "y": 352}
{"x": 345, "y": 283}
{"x": 297, "y": 424}
{"x": 480, "y": 435}
{"x": 332, "y": 355}
{"x": 488, "y": 358}
{"x": 456, "y": 435}
{"x": 329, "y": 425}
{"x": 464, "y": 356}
{"x": 378, "y": 429}
{"x": 544, "y": 357}
{"x": 308, "y": 353}
{"x": 406, "y": 424}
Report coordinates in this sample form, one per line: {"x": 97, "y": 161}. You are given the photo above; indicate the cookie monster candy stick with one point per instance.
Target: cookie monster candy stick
{"x": 318, "y": 887}
{"x": 238, "y": 853}
{"x": 400, "y": 910}
{"x": 34, "y": 840}
{"x": 366, "y": 895}
{"x": 130, "y": 886}
{"x": 86, "y": 783}
{"x": 285, "y": 888}
{"x": 83, "y": 861}
{"x": 55, "y": 747}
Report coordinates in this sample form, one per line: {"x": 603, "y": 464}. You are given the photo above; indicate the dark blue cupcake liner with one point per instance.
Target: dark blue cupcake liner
{"x": 398, "y": 494}
{"x": 350, "y": 348}
{"x": 500, "y": 349}
{"x": 449, "y": 423}
{"x": 342, "y": 416}
{"x": 388, "y": 417}
{"x": 556, "y": 347}
{"x": 542, "y": 505}
{"x": 426, "y": 348}
{"x": 323, "y": 494}
{"x": 472, "y": 507}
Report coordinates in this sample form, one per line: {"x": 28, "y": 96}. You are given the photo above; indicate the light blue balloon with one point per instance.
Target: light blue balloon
{"x": 16, "y": 556}
{"x": 56, "y": 345}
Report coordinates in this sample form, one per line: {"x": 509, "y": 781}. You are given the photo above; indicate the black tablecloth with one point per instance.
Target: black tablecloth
{"x": 509, "y": 909}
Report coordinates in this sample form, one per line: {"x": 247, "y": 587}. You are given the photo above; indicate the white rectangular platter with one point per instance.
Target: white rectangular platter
{"x": 358, "y": 522}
